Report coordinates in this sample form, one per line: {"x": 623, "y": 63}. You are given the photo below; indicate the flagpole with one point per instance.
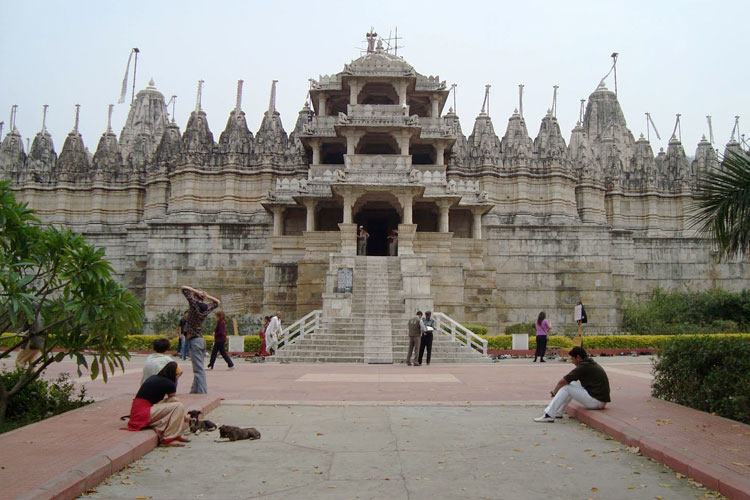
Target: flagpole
{"x": 135, "y": 68}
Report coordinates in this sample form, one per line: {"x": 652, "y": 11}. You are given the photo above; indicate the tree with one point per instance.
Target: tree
{"x": 722, "y": 205}
{"x": 58, "y": 282}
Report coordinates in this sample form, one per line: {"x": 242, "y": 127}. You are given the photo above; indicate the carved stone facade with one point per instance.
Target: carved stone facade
{"x": 491, "y": 230}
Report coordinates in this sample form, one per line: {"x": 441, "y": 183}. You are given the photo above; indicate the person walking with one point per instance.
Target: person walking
{"x": 543, "y": 327}
{"x": 156, "y": 407}
{"x": 362, "y": 237}
{"x": 262, "y": 334}
{"x": 182, "y": 345}
{"x": 220, "y": 341}
{"x": 197, "y": 313}
{"x": 587, "y": 383}
{"x": 415, "y": 327}
{"x": 274, "y": 333}
{"x": 426, "y": 342}
{"x": 32, "y": 346}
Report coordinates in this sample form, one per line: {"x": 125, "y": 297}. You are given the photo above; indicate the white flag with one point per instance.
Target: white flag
{"x": 125, "y": 80}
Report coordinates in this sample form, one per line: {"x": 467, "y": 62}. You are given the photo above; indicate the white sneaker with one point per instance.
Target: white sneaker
{"x": 545, "y": 418}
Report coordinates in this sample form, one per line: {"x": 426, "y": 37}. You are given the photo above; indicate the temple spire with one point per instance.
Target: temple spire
{"x": 198, "y": 97}
{"x": 238, "y": 104}
{"x": 520, "y": 100}
{"x": 13, "y": 111}
{"x": 272, "y": 100}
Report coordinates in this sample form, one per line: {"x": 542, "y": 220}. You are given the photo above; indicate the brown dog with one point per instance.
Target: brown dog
{"x": 236, "y": 433}
{"x": 197, "y": 425}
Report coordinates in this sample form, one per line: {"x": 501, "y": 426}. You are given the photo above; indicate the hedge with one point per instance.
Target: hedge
{"x": 605, "y": 341}
{"x": 145, "y": 342}
{"x": 708, "y": 373}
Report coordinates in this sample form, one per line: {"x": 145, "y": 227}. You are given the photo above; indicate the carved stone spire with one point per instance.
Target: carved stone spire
{"x": 296, "y": 148}
{"x": 641, "y": 173}
{"x": 107, "y": 160}
{"x": 705, "y": 158}
{"x": 198, "y": 138}
{"x": 12, "y": 155}
{"x": 516, "y": 143}
{"x": 144, "y": 127}
{"x": 74, "y": 164}
{"x": 460, "y": 147}
{"x": 42, "y": 155}
{"x": 236, "y": 141}
{"x": 549, "y": 143}
{"x": 583, "y": 157}
{"x": 483, "y": 144}
{"x": 271, "y": 137}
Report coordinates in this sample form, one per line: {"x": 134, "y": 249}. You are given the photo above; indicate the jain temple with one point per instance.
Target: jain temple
{"x": 491, "y": 228}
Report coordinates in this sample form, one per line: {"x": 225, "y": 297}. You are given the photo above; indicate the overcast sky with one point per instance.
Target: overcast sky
{"x": 682, "y": 56}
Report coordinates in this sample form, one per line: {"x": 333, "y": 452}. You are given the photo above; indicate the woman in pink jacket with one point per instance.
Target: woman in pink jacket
{"x": 542, "y": 332}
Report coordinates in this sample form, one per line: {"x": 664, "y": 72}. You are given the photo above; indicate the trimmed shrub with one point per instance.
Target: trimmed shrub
{"x": 476, "y": 329}
{"x": 676, "y": 313}
{"x": 145, "y": 342}
{"x": 708, "y": 373}
{"x": 527, "y": 328}
{"x": 505, "y": 342}
{"x": 41, "y": 399}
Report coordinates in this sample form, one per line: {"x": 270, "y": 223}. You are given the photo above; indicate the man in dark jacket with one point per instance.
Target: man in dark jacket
{"x": 587, "y": 383}
{"x": 416, "y": 327}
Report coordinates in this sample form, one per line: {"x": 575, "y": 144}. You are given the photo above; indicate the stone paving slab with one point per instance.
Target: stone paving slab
{"x": 63, "y": 456}
{"x": 409, "y": 452}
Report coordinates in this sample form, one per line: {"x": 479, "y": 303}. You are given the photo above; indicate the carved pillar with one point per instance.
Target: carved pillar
{"x": 402, "y": 93}
{"x": 406, "y": 202}
{"x": 348, "y": 203}
{"x": 278, "y": 221}
{"x": 348, "y": 234}
{"x": 444, "y": 206}
{"x": 476, "y": 230}
{"x": 403, "y": 142}
{"x": 310, "y": 207}
{"x": 434, "y": 101}
{"x": 353, "y": 91}
{"x": 315, "y": 151}
{"x": 322, "y": 100}
{"x": 352, "y": 139}
{"x": 440, "y": 159}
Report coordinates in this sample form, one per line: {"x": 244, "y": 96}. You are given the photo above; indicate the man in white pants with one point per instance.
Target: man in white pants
{"x": 587, "y": 383}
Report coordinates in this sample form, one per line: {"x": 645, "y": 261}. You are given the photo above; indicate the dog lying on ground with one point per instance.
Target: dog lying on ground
{"x": 233, "y": 433}
{"x": 197, "y": 425}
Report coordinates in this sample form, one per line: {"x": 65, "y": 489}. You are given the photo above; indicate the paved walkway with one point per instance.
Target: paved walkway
{"x": 713, "y": 450}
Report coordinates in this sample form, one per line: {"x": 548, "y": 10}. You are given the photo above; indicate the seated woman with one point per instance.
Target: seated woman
{"x": 156, "y": 407}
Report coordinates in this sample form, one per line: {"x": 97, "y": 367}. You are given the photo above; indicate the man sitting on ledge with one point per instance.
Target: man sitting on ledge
{"x": 587, "y": 383}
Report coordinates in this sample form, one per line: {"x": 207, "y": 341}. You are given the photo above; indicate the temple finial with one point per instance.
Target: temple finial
{"x": 520, "y": 100}
{"x": 1, "y": 129}
{"x": 272, "y": 100}
{"x": 198, "y": 98}
{"x": 78, "y": 114}
{"x": 13, "y": 111}
{"x": 238, "y": 104}
{"x": 44, "y": 118}
{"x": 109, "y": 118}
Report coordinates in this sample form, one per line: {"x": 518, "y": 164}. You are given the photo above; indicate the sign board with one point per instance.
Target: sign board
{"x": 236, "y": 343}
{"x": 578, "y": 313}
{"x": 346, "y": 281}
{"x": 233, "y": 303}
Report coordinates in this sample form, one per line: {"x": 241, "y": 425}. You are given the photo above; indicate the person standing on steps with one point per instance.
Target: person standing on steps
{"x": 542, "y": 332}
{"x": 274, "y": 333}
{"x": 196, "y": 315}
{"x": 587, "y": 383}
{"x": 426, "y": 342}
{"x": 220, "y": 341}
{"x": 393, "y": 243}
{"x": 362, "y": 237}
{"x": 415, "y": 328}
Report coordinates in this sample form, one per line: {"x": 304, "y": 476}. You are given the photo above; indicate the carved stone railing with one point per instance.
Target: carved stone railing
{"x": 372, "y": 110}
{"x": 447, "y": 326}
{"x": 300, "y": 328}
{"x": 321, "y": 126}
{"x": 378, "y": 162}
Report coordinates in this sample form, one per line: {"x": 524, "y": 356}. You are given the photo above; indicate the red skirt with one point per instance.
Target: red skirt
{"x": 262, "y": 350}
{"x": 140, "y": 414}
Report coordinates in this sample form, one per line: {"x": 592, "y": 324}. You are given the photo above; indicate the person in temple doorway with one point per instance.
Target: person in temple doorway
{"x": 426, "y": 343}
{"x": 362, "y": 237}
{"x": 393, "y": 243}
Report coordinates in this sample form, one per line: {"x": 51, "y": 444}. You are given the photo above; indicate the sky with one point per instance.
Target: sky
{"x": 675, "y": 57}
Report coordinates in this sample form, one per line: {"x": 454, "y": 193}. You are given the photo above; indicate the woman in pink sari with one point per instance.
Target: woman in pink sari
{"x": 262, "y": 350}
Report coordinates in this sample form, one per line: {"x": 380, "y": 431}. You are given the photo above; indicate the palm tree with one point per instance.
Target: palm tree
{"x": 722, "y": 205}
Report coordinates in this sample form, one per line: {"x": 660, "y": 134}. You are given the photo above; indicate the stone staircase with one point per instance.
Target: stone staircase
{"x": 375, "y": 330}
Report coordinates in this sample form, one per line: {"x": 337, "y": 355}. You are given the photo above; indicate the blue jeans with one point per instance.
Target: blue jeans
{"x": 184, "y": 347}
{"x": 197, "y": 353}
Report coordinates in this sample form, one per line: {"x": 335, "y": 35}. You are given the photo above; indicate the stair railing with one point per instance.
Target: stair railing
{"x": 457, "y": 332}
{"x": 300, "y": 328}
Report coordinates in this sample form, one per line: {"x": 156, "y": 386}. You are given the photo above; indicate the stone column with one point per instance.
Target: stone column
{"x": 278, "y": 221}
{"x": 322, "y": 100}
{"x": 434, "y": 101}
{"x": 444, "y": 206}
{"x": 440, "y": 159}
{"x": 402, "y": 93}
{"x": 348, "y": 202}
{"x": 403, "y": 142}
{"x": 353, "y": 91}
{"x": 315, "y": 151}
{"x": 406, "y": 202}
{"x": 476, "y": 231}
{"x": 310, "y": 207}
{"x": 352, "y": 139}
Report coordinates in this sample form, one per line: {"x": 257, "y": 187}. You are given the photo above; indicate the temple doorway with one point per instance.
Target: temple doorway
{"x": 378, "y": 218}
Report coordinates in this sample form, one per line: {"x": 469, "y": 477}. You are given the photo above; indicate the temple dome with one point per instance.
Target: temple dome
{"x": 379, "y": 63}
